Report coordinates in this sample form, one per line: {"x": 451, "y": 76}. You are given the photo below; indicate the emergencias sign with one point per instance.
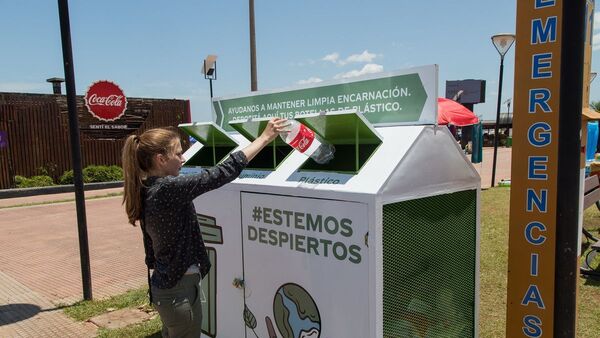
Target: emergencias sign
{"x": 531, "y": 261}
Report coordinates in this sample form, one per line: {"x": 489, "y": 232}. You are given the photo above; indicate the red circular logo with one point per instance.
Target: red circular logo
{"x": 105, "y": 101}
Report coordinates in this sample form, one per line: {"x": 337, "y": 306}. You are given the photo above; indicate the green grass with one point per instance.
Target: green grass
{"x": 149, "y": 328}
{"x": 112, "y": 194}
{"x": 86, "y": 309}
{"x": 137, "y": 298}
{"x": 494, "y": 256}
{"x": 494, "y": 247}
{"x": 588, "y": 301}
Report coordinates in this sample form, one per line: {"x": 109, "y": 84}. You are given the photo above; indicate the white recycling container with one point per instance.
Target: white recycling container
{"x": 380, "y": 242}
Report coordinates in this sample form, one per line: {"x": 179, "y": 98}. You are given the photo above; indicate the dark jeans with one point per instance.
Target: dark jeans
{"x": 180, "y": 307}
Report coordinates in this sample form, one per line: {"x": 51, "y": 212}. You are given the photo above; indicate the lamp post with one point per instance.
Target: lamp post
{"x": 502, "y": 42}
{"x": 507, "y": 103}
{"x": 67, "y": 49}
{"x": 253, "y": 80}
{"x": 209, "y": 69}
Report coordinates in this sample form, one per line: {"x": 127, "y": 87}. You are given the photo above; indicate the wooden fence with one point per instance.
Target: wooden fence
{"x": 37, "y": 133}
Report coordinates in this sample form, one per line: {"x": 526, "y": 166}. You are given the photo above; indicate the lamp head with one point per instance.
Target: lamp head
{"x": 209, "y": 69}
{"x": 503, "y": 42}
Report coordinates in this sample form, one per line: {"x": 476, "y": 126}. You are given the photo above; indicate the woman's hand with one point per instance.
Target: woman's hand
{"x": 274, "y": 127}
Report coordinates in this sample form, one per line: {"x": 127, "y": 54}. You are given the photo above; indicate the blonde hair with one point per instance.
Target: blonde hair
{"x": 137, "y": 157}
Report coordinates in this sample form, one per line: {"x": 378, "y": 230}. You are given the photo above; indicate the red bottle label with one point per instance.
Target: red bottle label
{"x": 304, "y": 139}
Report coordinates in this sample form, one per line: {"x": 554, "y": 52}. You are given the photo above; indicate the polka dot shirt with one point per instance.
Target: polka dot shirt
{"x": 172, "y": 235}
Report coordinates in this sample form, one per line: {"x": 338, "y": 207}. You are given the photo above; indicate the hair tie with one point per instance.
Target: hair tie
{"x": 136, "y": 139}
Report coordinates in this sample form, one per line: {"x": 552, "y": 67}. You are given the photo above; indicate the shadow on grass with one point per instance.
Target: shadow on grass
{"x": 592, "y": 280}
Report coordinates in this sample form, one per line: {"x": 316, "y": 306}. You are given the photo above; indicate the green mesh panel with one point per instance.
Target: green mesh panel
{"x": 429, "y": 252}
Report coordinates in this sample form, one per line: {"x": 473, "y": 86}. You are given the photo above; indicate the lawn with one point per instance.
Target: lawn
{"x": 494, "y": 252}
{"x": 494, "y": 247}
{"x": 138, "y": 298}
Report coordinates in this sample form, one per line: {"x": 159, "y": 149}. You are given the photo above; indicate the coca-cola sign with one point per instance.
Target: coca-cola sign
{"x": 105, "y": 100}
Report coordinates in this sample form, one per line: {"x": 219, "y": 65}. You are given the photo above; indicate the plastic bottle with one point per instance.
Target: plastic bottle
{"x": 307, "y": 142}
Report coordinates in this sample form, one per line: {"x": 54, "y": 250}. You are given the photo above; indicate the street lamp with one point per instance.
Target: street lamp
{"x": 507, "y": 103}
{"x": 210, "y": 70}
{"x": 502, "y": 42}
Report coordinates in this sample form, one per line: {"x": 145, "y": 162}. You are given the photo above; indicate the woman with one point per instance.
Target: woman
{"x": 161, "y": 200}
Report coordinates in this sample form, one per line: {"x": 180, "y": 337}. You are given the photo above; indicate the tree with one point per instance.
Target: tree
{"x": 595, "y": 105}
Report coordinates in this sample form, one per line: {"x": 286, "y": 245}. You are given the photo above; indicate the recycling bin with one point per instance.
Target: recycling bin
{"x": 379, "y": 242}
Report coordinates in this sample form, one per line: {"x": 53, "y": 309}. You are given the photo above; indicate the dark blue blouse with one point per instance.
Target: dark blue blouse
{"x": 172, "y": 235}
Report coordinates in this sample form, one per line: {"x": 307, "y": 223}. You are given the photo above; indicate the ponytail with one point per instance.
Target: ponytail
{"x": 132, "y": 179}
{"x": 137, "y": 157}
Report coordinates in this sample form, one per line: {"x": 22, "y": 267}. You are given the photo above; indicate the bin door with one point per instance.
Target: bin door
{"x": 218, "y": 215}
{"x": 305, "y": 262}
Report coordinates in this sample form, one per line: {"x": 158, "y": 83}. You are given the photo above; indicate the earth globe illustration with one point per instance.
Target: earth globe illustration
{"x": 296, "y": 314}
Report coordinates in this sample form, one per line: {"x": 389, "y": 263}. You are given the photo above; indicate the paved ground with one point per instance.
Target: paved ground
{"x": 40, "y": 266}
{"x": 503, "y": 162}
{"x": 55, "y": 197}
{"x": 39, "y": 257}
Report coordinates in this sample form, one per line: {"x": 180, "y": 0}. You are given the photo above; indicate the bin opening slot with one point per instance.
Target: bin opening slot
{"x": 348, "y": 159}
{"x": 271, "y": 156}
{"x": 354, "y": 140}
{"x": 209, "y": 156}
{"x": 216, "y": 144}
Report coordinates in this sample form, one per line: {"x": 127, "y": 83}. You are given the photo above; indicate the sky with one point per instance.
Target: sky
{"x": 156, "y": 48}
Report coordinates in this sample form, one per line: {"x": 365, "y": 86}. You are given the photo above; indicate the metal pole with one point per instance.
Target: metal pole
{"x": 211, "y": 92}
{"x": 568, "y": 173}
{"x": 508, "y": 118}
{"x": 65, "y": 33}
{"x": 253, "y": 81}
{"x": 497, "y": 120}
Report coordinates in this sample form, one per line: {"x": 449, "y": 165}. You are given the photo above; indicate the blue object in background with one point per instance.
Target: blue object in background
{"x": 3, "y": 139}
{"x": 592, "y": 140}
{"x": 477, "y": 143}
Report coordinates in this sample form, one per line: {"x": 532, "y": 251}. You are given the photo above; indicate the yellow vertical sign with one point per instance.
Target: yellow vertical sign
{"x": 530, "y": 301}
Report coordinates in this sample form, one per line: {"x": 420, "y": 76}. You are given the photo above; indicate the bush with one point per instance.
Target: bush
{"x": 34, "y": 181}
{"x": 66, "y": 178}
{"x": 101, "y": 173}
{"x": 116, "y": 172}
{"x": 95, "y": 173}
{"x": 91, "y": 174}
